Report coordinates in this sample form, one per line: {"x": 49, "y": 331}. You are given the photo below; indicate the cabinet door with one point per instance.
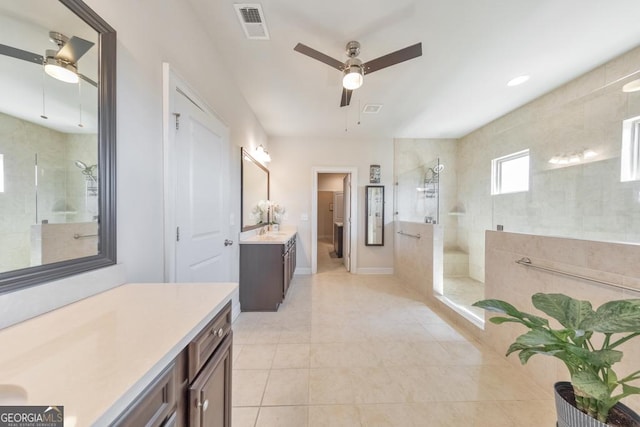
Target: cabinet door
{"x": 286, "y": 275}
{"x": 210, "y": 393}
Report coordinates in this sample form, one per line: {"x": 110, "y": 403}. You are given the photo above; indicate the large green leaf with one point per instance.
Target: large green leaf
{"x": 537, "y": 337}
{"x": 566, "y": 310}
{"x": 503, "y": 307}
{"x": 589, "y": 384}
{"x": 596, "y": 358}
{"x": 615, "y": 317}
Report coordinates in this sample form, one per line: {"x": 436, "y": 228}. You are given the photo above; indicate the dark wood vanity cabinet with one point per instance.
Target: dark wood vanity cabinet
{"x": 156, "y": 405}
{"x": 266, "y": 271}
{"x": 195, "y": 389}
{"x": 209, "y": 393}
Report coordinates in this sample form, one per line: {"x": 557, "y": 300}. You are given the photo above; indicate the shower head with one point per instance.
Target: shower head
{"x": 88, "y": 171}
{"x": 438, "y": 168}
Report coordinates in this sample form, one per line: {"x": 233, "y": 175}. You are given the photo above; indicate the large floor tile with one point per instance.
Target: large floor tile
{"x": 244, "y": 416}
{"x": 283, "y": 416}
{"x": 255, "y": 356}
{"x": 334, "y": 416}
{"x": 291, "y": 356}
{"x": 248, "y": 386}
{"x": 287, "y": 387}
{"x": 353, "y": 350}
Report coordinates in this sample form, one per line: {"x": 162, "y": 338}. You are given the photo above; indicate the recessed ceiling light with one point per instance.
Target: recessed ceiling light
{"x": 632, "y": 86}
{"x": 518, "y": 80}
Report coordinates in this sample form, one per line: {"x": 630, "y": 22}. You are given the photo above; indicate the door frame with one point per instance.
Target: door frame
{"x": 171, "y": 83}
{"x": 353, "y": 250}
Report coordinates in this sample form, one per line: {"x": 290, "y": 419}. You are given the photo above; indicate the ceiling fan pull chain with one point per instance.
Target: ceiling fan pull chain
{"x": 80, "y": 103}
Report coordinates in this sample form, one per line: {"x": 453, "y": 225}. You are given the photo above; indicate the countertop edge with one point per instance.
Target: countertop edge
{"x": 278, "y": 239}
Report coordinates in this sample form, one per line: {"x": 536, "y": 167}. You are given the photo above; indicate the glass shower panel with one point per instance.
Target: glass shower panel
{"x": 418, "y": 193}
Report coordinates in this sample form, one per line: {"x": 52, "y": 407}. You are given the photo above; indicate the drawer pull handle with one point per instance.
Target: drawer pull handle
{"x": 204, "y": 405}
{"x": 220, "y": 332}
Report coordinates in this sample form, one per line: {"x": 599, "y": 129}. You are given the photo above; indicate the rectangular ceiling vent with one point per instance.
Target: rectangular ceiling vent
{"x": 252, "y": 21}
{"x": 372, "y": 108}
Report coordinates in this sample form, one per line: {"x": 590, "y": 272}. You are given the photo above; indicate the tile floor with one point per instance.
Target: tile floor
{"x": 348, "y": 350}
{"x": 462, "y": 292}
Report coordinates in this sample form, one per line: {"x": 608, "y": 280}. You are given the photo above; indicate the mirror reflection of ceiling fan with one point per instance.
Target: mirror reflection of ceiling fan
{"x": 62, "y": 63}
{"x": 353, "y": 69}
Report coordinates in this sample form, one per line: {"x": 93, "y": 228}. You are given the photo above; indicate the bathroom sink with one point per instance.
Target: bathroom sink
{"x": 268, "y": 237}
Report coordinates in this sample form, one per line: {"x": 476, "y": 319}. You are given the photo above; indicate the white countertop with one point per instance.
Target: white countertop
{"x": 95, "y": 356}
{"x": 279, "y": 237}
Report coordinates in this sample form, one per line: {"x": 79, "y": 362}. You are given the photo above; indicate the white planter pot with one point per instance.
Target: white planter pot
{"x": 570, "y": 416}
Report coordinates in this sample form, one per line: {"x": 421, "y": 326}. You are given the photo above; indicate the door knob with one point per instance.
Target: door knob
{"x": 228, "y": 242}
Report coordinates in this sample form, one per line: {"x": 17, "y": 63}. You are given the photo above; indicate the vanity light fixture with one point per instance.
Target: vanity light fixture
{"x": 262, "y": 155}
{"x": 632, "y": 86}
{"x": 61, "y": 70}
{"x": 576, "y": 157}
{"x": 518, "y": 80}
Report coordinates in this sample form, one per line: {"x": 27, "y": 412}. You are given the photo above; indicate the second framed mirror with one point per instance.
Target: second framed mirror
{"x": 374, "y": 215}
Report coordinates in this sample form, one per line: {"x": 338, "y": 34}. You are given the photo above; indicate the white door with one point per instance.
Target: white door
{"x": 346, "y": 244}
{"x": 201, "y": 195}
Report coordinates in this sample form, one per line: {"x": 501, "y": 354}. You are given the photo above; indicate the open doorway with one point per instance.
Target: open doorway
{"x": 334, "y": 207}
{"x": 331, "y": 213}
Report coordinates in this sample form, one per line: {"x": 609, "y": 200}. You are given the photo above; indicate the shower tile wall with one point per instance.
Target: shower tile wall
{"x": 412, "y": 154}
{"x": 584, "y": 200}
{"x": 58, "y": 176}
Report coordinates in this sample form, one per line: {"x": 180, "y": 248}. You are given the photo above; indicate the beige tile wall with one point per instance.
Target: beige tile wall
{"x": 418, "y": 261}
{"x": 585, "y": 200}
{"x": 506, "y": 280}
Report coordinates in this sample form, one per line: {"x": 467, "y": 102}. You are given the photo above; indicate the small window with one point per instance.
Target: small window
{"x": 630, "y": 156}
{"x": 1, "y": 174}
{"x": 510, "y": 174}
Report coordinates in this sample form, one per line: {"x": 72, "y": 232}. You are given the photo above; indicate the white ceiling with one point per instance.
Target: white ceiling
{"x": 470, "y": 49}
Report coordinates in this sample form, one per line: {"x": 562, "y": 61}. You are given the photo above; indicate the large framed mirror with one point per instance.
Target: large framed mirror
{"x": 374, "y": 215}
{"x": 255, "y": 192}
{"x": 57, "y": 142}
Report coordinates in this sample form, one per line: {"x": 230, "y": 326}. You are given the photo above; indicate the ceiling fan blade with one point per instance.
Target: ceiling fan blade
{"x": 73, "y": 50}
{"x": 87, "y": 79}
{"x": 306, "y": 50}
{"x": 393, "y": 58}
{"x": 346, "y": 97}
{"x": 21, "y": 54}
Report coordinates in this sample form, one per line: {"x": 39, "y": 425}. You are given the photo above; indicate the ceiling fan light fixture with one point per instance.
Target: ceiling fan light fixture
{"x": 61, "y": 70}
{"x": 353, "y": 77}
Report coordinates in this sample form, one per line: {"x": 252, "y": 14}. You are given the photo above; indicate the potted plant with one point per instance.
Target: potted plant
{"x": 586, "y": 343}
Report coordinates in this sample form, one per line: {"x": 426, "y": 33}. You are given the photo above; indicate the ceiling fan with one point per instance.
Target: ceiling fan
{"x": 62, "y": 63}
{"x": 354, "y": 69}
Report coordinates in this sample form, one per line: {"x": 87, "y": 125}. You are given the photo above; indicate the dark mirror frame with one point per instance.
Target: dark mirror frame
{"x": 367, "y": 204}
{"x": 25, "y": 277}
{"x": 244, "y": 154}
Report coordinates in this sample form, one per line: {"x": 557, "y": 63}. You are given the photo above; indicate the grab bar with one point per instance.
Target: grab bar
{"x": 83, "y": 236}
{"x": 528, "y": 263}
{"x": 415, "y": 236}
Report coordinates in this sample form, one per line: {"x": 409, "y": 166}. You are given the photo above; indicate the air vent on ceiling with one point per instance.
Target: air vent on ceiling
{"x": 372, "y": 108}
{"x": 252, "y": 21}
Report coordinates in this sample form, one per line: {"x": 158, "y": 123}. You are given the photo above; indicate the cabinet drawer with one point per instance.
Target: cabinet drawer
{"x": 210, "y": 393}
{"x": 155, "y": 403}
{"x": 203, "y": 346}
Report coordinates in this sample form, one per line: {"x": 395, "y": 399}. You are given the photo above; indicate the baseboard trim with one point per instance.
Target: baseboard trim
{"x": 375, "y": 270}
{"x": 302, "y": 271}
